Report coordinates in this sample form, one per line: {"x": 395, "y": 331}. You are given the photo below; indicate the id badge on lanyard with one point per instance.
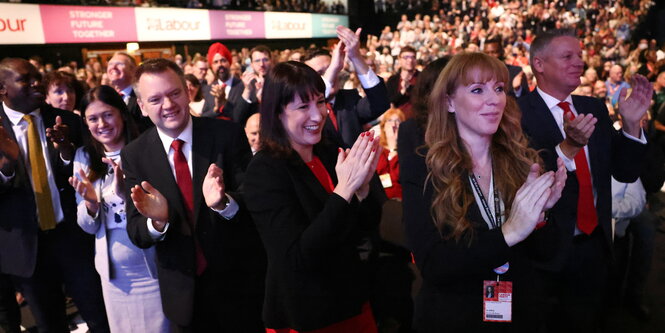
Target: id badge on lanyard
{"x": 498, "y": 297}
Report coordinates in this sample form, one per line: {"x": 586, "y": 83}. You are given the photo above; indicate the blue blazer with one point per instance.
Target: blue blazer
{"x": 611, "y": 153}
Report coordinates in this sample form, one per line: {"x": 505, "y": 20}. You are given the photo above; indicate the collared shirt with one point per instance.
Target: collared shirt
{"x": 557, "y": 113}
{"x": 187, "y": 136}
{"x": 126, "y": 93}
{"x": 20, "y": 128}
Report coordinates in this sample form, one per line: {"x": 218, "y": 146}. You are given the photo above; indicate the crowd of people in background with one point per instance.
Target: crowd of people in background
{"x": 385, "y": 114}
{"x": 305, "y": 6}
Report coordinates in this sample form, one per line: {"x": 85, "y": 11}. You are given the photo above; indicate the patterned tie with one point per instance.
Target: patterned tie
{"x": 184, "y": 180}
{"x": 40, "y": 177}
{"x": 587, "y": 220}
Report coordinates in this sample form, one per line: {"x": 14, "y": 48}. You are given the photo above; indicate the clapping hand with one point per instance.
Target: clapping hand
{"x": 118, "y": 176}
{"x": 355, "y": 167}
{"x": 59, "y": 136}
{"x": 151, "y": 204}
{"x": 633, "y": 108}
{"x": 9, "y": 149}
{"x": 528, "y": 205}
{"x": 213, "y": 188}
{"x": 86, "y": 190}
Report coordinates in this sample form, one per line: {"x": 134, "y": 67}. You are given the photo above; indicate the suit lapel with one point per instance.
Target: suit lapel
{"x": 300, "y": 173}
{"x": 163, "y": 179}
{"x": 544, "y": 117}
{"x": 202, "y": 145}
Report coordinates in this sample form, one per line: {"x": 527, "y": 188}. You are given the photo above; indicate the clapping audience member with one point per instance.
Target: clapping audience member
{"x": 62, "y": 90}
{"x": 312, "y": 204}
{"x": 128, "y": 273}
{"x": 400, "y": 84}
{"x": 578, "y": 130}
{"x": 473, "y": 212}
{"x": 120, "y": 72}
{"x": 224, "y": 86}
{"x": 388, "y": 167}
{"x": 41, "y": 247}
{"x": 253, "y": 79}
{"x": 181, "y": 182}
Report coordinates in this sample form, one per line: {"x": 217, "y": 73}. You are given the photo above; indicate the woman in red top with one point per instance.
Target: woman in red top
{"x": 388, "y": 168}
{"x": 312, "y": 206}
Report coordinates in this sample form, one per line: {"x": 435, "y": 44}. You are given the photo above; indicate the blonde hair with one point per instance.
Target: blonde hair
{"x": 383, "y": 141}
{"x": 448, "y": 161}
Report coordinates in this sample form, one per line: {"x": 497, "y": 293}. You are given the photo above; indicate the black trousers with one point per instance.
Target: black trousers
{"x": 576, "y": 297}
{"x": 10, "y": 315}
{"x": 64, "y": 258}
{"x": 224, "y": 309}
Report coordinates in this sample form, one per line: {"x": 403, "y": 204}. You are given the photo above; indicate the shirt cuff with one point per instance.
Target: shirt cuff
{"x": 154, "y": 234}
{"x": 247, "y": 100}
{"x": 4, "y": 179}
{"x": 518, "y": 91}
{"x": 64, "y": 161}
{"x": 568, "y": 162}
{"x": 230, "y": 210}
{"x": 369, "y": 80}
{"x": 328, "y": 87}
{"x": 642, "y": 139}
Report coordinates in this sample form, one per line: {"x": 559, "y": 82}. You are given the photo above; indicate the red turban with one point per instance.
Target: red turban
{"x": 218, "y": 48}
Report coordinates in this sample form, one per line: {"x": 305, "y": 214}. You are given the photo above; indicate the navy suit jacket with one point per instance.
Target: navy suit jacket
{"x": 611, "y": 153}
{"x": 232, "y": 248}
{"x": 353, "y": 111}
{"x": 19, "y": 228}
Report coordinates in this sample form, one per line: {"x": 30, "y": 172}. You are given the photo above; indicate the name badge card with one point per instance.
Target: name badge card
{"x": 497, "y": 301}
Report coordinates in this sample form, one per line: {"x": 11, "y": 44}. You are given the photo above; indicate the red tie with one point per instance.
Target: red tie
{"x": 333, "y": 117}
{"x": 184, "y": 180}
{"x": 587, "y": 220}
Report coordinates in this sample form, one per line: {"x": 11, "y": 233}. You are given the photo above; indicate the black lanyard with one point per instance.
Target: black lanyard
{"x": 495, "y": 220}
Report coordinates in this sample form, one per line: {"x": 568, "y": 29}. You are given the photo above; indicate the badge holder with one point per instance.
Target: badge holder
{"x": 498, "y": 298}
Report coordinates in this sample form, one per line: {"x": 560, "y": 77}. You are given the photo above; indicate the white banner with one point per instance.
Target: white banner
{"x": 169, "y": 24}
{"x": 20, "y": 24}
{"x": 288, "y": 25}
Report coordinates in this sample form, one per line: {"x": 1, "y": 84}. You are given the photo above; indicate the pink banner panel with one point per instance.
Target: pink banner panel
{"x": 236, "y": 25}
{"x": 78, "y": 24}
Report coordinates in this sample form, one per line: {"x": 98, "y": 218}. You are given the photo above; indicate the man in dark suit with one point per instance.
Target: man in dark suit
{"x": 252, "y": 79}
{"x": 400, "y": 84}
{"x": 224, "y": 84}
{"x": 578, "y": 130}
{"x": 120, "y": 71}
{"x": 41, "y": 246}
{"x": 348, "y": 111}
{"x": 519, "y": 86}
{"x": 182, "y": 176}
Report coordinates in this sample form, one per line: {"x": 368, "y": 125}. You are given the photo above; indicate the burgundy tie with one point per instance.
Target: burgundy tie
{"x": 184, "y": 180}
{"x": 587, "y": 220}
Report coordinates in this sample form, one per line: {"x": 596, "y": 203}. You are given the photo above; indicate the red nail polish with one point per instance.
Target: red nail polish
{"x": 371, "y": 139}
{"x": 373, "y": 149}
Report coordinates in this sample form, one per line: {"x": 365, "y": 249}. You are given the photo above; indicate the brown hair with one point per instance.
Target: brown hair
{"x": 448, "y": 160}
{"x": 283, "y": 82}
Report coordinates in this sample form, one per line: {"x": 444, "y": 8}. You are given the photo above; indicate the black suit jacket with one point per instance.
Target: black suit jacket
{"x": 232, "y": 248}
{"x": 512, "y": 72}
{"x": 452, "y": 271}
{"x": 315, "y": 276}
{"x": 353, "y": 111}
{"x": 234, "y": 109}
{"x": 142, "y": 123}
{"x": 610, "y": 154}
{"x": 394, "y": 95}
{"x": 19, "y": 227}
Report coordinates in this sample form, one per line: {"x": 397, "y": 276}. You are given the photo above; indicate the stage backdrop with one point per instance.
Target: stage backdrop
{"x": 49, "y": 24}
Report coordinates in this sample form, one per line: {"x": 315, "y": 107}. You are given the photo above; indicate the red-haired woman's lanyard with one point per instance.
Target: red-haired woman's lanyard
{"x": 497, "y": 296}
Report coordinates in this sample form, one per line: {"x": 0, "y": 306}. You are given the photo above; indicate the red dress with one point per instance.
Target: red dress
{"x": 388, "y": 171}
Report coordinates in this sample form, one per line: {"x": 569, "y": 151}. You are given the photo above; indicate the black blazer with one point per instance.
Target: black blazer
{"x": 232, "y": 101}
{"x": 353, "y": 111}
{"x": 142, "y": 123}
{"x": 315, "y": 276}
{"x": 394, "y": 95}
{"x": 453, "y": 272}
{"x": 232, "y": 248}
{"x": 19, "y": 227}
{"x": 610, "y": 154}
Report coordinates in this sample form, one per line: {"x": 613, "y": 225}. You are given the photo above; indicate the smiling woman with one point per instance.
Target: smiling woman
{"x": 312, "y": 205}
{"x": 475, "y": 203}
{"x": 128, "y": 274}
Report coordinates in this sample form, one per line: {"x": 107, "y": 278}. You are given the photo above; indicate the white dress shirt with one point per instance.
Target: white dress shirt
{"x": 228, "y": 212}
{"x": 20, "y": 128}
